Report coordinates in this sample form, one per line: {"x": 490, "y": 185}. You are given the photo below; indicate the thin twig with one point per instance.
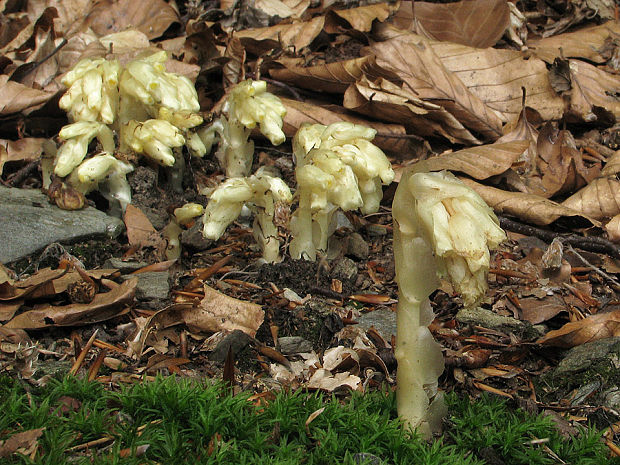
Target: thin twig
{"x": 614, "y": 281}
{"x": 590, "y": 244}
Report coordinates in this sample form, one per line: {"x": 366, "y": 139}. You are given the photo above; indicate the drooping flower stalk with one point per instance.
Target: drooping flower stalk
{"x": 441, "y": 227}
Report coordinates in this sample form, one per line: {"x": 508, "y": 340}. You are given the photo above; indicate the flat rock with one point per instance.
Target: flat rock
{"x": 152, "y": 285}
{"x": 383, "y": 320}
{"x": 294, "y": 345}
{"x": 30, "y": 223}
{"x": 488, "y": 319}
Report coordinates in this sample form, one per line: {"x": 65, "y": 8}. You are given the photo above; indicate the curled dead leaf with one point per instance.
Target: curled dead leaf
{"x": 592, "y": 328}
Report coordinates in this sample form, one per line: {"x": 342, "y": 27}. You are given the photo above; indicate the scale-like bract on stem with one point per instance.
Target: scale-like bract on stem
{"x": 441, "y": 227}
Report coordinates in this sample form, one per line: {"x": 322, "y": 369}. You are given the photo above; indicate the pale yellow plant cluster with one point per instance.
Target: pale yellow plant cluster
{"x": 141, "y": 107}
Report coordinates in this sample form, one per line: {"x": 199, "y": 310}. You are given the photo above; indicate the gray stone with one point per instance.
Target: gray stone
{"x": 582, "y": 357}
{"x": 611, "y": 398}
{"x": 364, "y": 458}
{"x": 357, "y": 247}
{"x": 294, "y": 345}
{"x": 344, "y": 269}
{"x": 382, "y": 319}
{"x": 152, "y": 285}
{"x": 123, "y": 266}
{"x": 237, "y": 340}
{"x": 193, "y": 238}
{"x": 491, "y": 320}
{"x": 30, "y": 223}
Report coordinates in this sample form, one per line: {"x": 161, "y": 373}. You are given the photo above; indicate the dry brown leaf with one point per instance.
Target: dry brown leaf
{"x": 361, "y": 18}
{"x": 26, "y": 149}
{"x": 325, "y": 381}
{"x": 218, "y": 311}
{"x": 613, "y": 165}
{"x": 274, "y": 8}
{"x": 16, "y": 97}
{"x": 600, "y": 199}
{"x": 332, "y": 77}
{"x": 528, "y": 207}
{"x": 522, "y": 129}
{"x": 103, "y": 307}
{"x": 298, "y": 113}
{"x": 23, "y": 288}
{"x": 403, "y": 18}
{"x": 140, "y": 231}
{"x": 477, "y": 23}
{"x": 296, "y": 35}
{"x": 586, "y": 43}
{"x": 390, "y": 102}
{"x": 592, "y": 87}
{"x": 8, "y": 310}
{"x": 412, "y": 58}
{"x": 152, "y": 17}
{"x": 538, "y": 311}
{"x": 480, "y": 162}
{"x": 560, "y": 164}
{"x": 592, "y": 328}
{"x": 497, "y": 77}
{"x": 612, "y": 228}
{"x": 23, "y": 443}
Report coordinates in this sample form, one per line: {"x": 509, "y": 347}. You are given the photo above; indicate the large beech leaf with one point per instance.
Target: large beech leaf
{"x": 218, "y": 311}
{"x": 592, "y": 87}
{"x": 587, "y": 43}
{"x": 16, "y": 97}
{"x": 528, "y": 207}
{"x": 412, "y": 58}
{"x": 599, "y": 199}
{"x": 152, "y": 17}
{"x": 592, "y": 328}
{"x": 390, "y": 102}
{"x": 295, "y": 36}
{"x": 103, "y": 307}
{"x": 480, "y": 162}
{"x": 360, "y": 18}
{"x": 332, "y": 77}
{"x": 497, "y": 77}
{"x": 298, "y": 113}
{"x": 478, "y": 23}
{"x": 26, "y": 149}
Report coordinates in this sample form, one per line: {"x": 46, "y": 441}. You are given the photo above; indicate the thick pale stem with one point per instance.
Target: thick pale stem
{"x": 440, "y": 226}
{"x": 302, "y": 245}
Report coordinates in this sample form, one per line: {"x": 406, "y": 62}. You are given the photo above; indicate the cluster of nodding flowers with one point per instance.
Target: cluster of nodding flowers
{"x": 152, "y": 112}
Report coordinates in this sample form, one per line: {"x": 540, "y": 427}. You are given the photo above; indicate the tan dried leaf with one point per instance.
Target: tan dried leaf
{"x": 600, "y": 199}
{"x": 274, "y": 8}
{"x": 103, "y": 307}
{"x": 27, "y": 149}
{"x": 528, "y": 207}
{"x": 613, "y": 165}
{"x": 361, "y": 18}
{"x": 522, "y": 129}
{"x": 612, "y": 228}
{"x": 152, "y": 17}
{"x": 296, "y": 35}
{"x": 593, "y": 87}
{"x": 586, "y": 43}
{"x": 23, "y": 443}
{"x": 325, "y": 381}
{"x": 538, "y": 311}
{"x": 480, "y": 162}
{"x": 390, "y": 102}
{"x": 497, "y": 77}
{"x": 332, "y": 77}
{"x": 218, "y": 311}
{"x": 412, "y": 58}
{"x": 477, "y": 23}
{"x": 592, "y": 328}
{"x": 140, "y": 230}
{"x": 16, "y": 97}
